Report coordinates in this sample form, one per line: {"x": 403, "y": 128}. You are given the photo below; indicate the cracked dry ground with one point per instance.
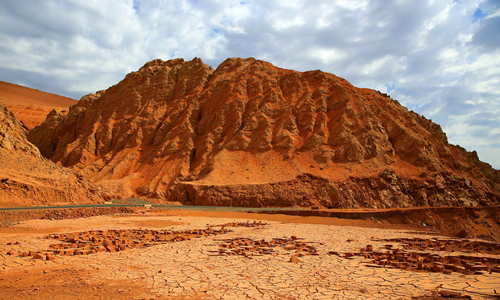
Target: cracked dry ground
{"x": 193, "y": 255}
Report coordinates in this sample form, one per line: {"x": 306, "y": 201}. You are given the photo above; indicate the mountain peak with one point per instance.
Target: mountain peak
{"x": 252, "y": 134}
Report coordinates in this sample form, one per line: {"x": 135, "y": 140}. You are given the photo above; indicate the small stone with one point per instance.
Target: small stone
{"x": 38, "y": 256}
{"x": 478, "y": 268}
{"x": 437, "y": 268}
{"x": 449, "y": 294}
{"x": 294, "y": 259}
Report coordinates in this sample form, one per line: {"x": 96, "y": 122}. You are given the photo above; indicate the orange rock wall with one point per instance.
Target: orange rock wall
{"x": 27, "y": 178}
{"x": 172, "y": 130}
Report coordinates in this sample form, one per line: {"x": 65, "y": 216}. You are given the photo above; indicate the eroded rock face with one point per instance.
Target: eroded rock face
{"x": 388, "y": 190}
{"x": 248, "y": 133}
{"x": 13, "y": 134}
{"x": 27, "y": 178}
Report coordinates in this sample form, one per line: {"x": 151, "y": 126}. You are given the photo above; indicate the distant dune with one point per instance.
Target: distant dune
{"x": 29, "y": 105}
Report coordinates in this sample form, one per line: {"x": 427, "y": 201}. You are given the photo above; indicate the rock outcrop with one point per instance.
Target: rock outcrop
{"x": 13, "y": 134}
{"x": 252, "y": 134}
{"x": 27, "y": 178}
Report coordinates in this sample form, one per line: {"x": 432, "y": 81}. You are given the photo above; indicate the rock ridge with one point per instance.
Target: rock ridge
{"x": 181, "y": 130}
{"x": 388, "y": 190}
{"x": 27, "y": 178}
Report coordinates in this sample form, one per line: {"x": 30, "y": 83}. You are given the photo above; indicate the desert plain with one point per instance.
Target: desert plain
{"x": 187, "y": 254}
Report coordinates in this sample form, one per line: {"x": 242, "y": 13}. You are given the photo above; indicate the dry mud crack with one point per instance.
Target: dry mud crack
{"x": 196, "y": 257}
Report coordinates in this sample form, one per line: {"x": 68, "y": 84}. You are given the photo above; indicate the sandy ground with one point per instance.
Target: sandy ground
{"x": 195, "y": 269}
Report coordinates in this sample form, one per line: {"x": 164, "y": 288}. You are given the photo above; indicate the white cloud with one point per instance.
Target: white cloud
{"x": 493, "y": 14}
{"x": 435, "y": 57}
{"x": 326, "y": 55}
{"x": 374, "y": 66}
{"x": 352, "y": 5}
{"x": 489, "y": 86}
{"x": 449, "y": 54}
{"x": 475, "y": 101}
{"x": 285, "y": 23}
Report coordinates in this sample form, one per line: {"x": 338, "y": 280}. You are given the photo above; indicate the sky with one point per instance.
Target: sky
{"x": 439, "y": 58}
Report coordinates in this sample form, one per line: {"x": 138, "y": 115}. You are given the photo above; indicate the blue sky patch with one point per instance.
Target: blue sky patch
{"x": 478, "y": 15}
{"x": 390, "y": 87}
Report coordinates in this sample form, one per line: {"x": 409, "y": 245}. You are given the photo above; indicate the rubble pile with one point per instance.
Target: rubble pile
{"x": 95, "y": 241}
{"x": 8, "y": 218}
{"x": 436, "y": 295}
{"x": 244, "y": 224}
{"x": 248, "y": 247}
{"x": 84, "y": 212}
{"x": 449, "y": 245}
{"x": 427, "y": 258}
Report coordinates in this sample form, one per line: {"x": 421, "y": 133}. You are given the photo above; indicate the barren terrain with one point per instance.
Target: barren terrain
{"x": 32, "y": 106}
{"x": 347, "y": 193}
{"x": 160, "y": 254}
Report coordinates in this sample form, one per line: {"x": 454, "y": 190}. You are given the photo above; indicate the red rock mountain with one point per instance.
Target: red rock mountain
{"x": 27, "y": 178}
{"x": 252, "y": 134}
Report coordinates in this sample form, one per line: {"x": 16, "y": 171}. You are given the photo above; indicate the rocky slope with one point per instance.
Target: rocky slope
{"x": 27, "y": 178}
{"x": 31, "y": 106}
{"x": 252, "y": 134}
{"x": 13, "y": 134}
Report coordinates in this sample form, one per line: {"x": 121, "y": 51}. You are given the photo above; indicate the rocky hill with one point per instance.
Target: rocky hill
{"x": 31, "y": 106}
{"x": 27, "y": 178}
{"x": 252, "y": 134}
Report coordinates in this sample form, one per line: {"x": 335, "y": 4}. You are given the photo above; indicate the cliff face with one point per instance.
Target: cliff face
{"x": 252, "y": 134}
{"x": 27, "y": 178}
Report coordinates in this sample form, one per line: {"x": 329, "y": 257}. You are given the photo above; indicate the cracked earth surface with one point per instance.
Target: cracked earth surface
{"x": 241, "y": 263}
